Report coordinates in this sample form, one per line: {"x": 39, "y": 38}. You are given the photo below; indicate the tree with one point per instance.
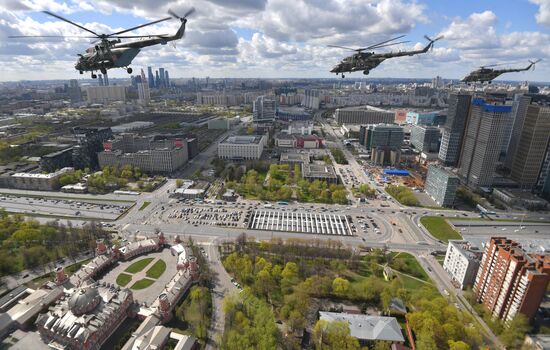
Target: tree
{"x": 515, "y": 331}
{"x": 333, "y": 335}
{"x": 340, "y": 286}
{"x": 385, "y": 299}
{"x": 458, "y": 345}
{"x": 179, "y": 183}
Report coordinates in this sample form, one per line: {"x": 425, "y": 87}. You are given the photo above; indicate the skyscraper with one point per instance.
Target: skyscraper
{"x": 150, "y": 77}
{"x": 510, "y": 281}
{"x": 453, "y": 132}
{"x": 531, "y": 146}
{"x": 161, "y": 76}
{"x": 381, "y": 135}
{"x": 143, "y": 90}
{"x": 425, "y": 138}
{"x": 157, "y": 79}
{"x": 519, "y": 109}
{"x": 166, "y": 79}
{"x": 75, "y": 94}
{"x": 263, "y": 109}
{"x": 487, "y": 126}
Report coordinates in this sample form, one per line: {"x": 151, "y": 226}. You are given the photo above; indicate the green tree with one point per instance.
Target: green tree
{"x": 340, "y": 286}
{"x": 333, "y": 335}
{"x": 179, "y": 183}
{"x": 515, "y": 331}
{"x": 458, "y": 345}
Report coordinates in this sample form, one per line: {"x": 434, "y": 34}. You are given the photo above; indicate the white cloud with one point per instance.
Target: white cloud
{"x": 543, "y": 15}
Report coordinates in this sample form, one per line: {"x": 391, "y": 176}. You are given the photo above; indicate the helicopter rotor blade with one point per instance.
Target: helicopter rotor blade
{"x": 189, "y": 12}
{"x": 137, "y": 27}
{"x": 51, "y": 36}
{"x": 71, "y": 22}
{"x": 391, "y": 44}
{"x": 343, "y": 47}
{"x": 383, "y": 42}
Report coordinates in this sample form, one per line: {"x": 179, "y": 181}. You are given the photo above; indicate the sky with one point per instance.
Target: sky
{"x": 283, "y": 38}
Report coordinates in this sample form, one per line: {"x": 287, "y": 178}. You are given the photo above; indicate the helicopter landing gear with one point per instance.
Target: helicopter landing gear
{"x": 129, "y": 70}
{"x": 94, "y": 76}
{"x": 103, "y": 70}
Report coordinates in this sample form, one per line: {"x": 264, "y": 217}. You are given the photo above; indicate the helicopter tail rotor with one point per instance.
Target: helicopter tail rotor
{"x": 533, "y": 63}
{"x": 432, "y": 41}
{"x": 184, "y": 17}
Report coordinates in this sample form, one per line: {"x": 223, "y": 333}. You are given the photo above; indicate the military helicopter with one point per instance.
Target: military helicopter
{"x": 366, "y": 61}
{"x": 110, "y": 52}
{"x": 487, "y": 74}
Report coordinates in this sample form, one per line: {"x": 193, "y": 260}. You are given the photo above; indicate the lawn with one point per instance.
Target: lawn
{"x": 138, "y": 265}
{"x": 123, "y": 279}
{"x": 142, "y": 284}
{"x": 156, "y": 270}
{"x": 406, "y": 263}
{"x": 144, "y": 205}
{"x": 439, "y": 228}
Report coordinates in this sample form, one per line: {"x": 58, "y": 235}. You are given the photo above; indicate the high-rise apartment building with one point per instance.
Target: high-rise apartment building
{"x": 312, "y": 99}
{"x": 519, "y": 110}
{"x": 487, "y": 126}
{"x": 263, "y": 110}
{"x": 531, "y": 146}
{"x": 425, "y": 138}
{"x": 461, "y": 262}
{"x": 510, "y": 281}
{"x": 453, "y": 132}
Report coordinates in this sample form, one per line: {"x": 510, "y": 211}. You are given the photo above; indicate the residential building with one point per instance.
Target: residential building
{"x": 425, "y": 138}
{"x": 462, "y": 262}
{"x": 485, "y": 130}
{"x": 363, "y": 115}
{"x": 106, "y": 94}
{"x": 453, "y": 132}
{"x": 242, "y": 147}
{"x": 150, "y": 154}
{"x": 381, "y": 135}
{"x": 441, "y": 185}
{"x": 532, "y": 146}
{"x": 367, "y": 328}
{"x": 510, "y": 281}
{"x": 312, "y": 99}
{"x": 37, "y": 181}
{"x": 263, "y": 110}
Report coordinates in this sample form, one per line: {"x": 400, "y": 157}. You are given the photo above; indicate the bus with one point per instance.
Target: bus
{"x": 282, "y": 203}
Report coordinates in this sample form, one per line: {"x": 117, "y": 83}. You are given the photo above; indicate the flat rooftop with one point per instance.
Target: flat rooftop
{"x": 242, "y": 140}
{"x": 294, "y": 157}
{"x": 318, "y": 170}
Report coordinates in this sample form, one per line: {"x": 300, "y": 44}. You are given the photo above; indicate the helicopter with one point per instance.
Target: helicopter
{"x": 110, "y": 52}
{"x": 366, "y": 61}
{"x": 487, "y": 74}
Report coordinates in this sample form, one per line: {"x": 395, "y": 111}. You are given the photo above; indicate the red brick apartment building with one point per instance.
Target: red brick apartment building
{"x": 510, "y": 281}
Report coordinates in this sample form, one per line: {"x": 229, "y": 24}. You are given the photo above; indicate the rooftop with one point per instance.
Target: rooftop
{"x": 367, "y": 327}
{"x": 242, "y": 140}
{"x": 318, "y": 170}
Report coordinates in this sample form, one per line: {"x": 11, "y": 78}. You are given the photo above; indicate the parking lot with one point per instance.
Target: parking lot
{"x": 303, "y": 222}
{"x": 207, "y": 216}
{"x": 64, "y": 207}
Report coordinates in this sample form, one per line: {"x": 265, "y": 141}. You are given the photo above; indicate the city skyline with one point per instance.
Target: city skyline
{"x": 281, "y": 39}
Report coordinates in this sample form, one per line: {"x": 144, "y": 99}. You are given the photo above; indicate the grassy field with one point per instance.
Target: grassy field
{"x": 406, "y": 263}
{"x": 142, "y": 284}
{"x": 144, "y": 205}
{"x": 138, "y": 265}
{"x": 439, "y": 228}
{"x": 123, "y": 279}
{"x": 156, "y": 270}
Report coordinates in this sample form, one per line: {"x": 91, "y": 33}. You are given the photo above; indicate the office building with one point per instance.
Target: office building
{"x": 421, "y": 118}
{"x": 385, "y": 156}
{"x": 441, "y": 185}
{"x": 56, "y": 160}
{"x": 519, "y": 111}
{"x": 543, "y": 182}
{"x": 321, "y": 172}
{"x": 89, "y": 143}
{"x": 263, "y": 110}
{"x": 531, "y": 147}
{"x": 157, "y": 154}
{"x": 150, "y": 77}
{"x": 157, "y": 79}
{"x": 162, "y": 75}
{"x": 363, "y": 115}
{"x": 425, "y": 138}
{"x": 510, "y": 281}
{"x": 381, "y": 135}
{"x": 242, "y": 147}
{"x": 143, "y": 90}
{"x": 74, "y": 92}
{"x": 192, "y": 147}
{"x": 453, "y": 132}
{"x": 462, "y": 262}
{"x": 298, "y": 141}
{"x": 166, "y": 79}
{"x": 312, "y": 99}
{"x": 487, "y": 126}
{"x": 106, "y": 94}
